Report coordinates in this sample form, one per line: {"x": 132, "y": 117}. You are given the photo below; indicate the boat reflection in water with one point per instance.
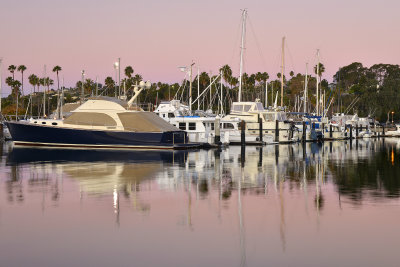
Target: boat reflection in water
{"x": 253, "y": 204}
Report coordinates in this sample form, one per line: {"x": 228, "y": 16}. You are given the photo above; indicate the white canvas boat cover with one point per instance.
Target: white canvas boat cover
{"x": 144, "y": 122}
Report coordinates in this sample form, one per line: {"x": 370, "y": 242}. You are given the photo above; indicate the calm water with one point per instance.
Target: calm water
{"x": 334, "y": 204}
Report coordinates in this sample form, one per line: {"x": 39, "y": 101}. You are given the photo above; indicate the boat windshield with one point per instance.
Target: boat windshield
{"x": 237, "y": 107}
{"x": 247, "y": 108}
{"x": 281, "y": 116}
{"x": 259, "y": 106}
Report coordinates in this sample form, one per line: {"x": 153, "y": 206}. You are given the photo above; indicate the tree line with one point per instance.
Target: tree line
{"x": 373, "y": 91}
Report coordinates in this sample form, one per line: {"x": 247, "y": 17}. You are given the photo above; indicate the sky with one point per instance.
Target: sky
{"x": 156, "y": 37}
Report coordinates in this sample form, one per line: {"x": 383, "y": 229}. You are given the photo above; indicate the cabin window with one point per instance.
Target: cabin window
{"x": 163, "y": 115}
{"x": 237, "y": 108}
{"x": 269, "y": 117}
{"x": 247, "y": 107}
{"x": 182, "y": 126}
{"x": 228, "y": 126}
{"x": 212, "y": 126}
{"x": 35, "y": 122}
{"x": 43, "y": 122}
{"x": 171, "y": 115}
{"x": 192, "y": 126}
{"x": 54, "y": 123}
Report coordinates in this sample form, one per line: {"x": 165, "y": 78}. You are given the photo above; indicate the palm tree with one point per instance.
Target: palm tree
{"x": 234, "y": 82}
{"x": 321, "y": 70}
{"x": 291, "y": 74}
{"x": 226, "y": 73}
{"x": 9, "y": 81}
{"x": 57, "y": 69}
{"x": 88, "y": 86}
{"x": 128, "y": 71}
{"x": 15, "y": 90}
{"x": 22, "y": 68}
{"x": 109, "y": 83}
{"x": 12, "y": 69}
{"x": 42, "y": 82}
{"x": 137, "y": 78}
{"x": 32, "y": 80}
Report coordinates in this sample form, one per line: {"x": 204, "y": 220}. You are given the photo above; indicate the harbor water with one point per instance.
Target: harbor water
{"x": 330, "y": 204}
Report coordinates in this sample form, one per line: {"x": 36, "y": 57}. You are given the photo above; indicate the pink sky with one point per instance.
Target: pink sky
{"x": 156, "y": 37}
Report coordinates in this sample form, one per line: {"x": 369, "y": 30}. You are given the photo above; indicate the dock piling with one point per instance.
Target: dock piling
{"x": 217, "y": 138}
{"x": 260, "y": 128}
{"x": 242, "y": 133}
{"x": 276, "y": 131}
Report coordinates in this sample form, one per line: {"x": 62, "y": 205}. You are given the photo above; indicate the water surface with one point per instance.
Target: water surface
{"x": 335, "y": 204}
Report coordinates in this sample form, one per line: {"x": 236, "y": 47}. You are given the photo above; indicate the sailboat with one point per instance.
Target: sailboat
{"x": 275, "y": 126}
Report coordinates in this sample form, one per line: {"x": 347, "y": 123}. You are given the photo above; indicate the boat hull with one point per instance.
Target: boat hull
{"x": 37, "y": 135}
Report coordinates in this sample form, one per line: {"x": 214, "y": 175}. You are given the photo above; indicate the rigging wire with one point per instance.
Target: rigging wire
{"x": 236, "y": 42}
{"x": 291, "y": 57}
{"x": 257, "y": 43}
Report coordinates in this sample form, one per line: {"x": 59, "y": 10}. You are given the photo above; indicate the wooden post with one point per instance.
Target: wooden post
{"x": 276, "y": 131}
{"x": 1, "y": 131}
{"x": 217, "y": 137}
{"x": 351, "y": 132}
{"x": 383, "y": 130}
{"x": 243, "y": 133}
{"x": 260, "y": 128}
{"x": 304, "y": 131}
{"x": 357, "y": 130}
{"x": 330, "y": 131}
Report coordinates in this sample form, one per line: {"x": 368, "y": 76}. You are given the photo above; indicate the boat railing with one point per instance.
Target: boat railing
{"x": 17, "y": 117}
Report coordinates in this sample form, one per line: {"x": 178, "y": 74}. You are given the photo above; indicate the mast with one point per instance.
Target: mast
{"x": 190, "y": 87}
{"x": 282, "y": 68}
{"x": 44, "y": 92}
{"x": 317, "y": 82}
{"x": 82, "y": 90}
{"x": 198, "y": 87}
{"x": 306, "y": 89}
{"x": 266, "y": 94}
{"x": 97, "y": 87}
{"x": 1, "y": 83}
{"x": 244, "y": 13}
{"x": 119, "y": 77}
{"x": 62, "y": 100}
{"x": 220, "y": 97}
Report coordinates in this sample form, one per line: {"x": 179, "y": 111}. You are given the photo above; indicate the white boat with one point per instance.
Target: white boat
{"x": 395, "y": 133}
{"x": 250, "y": 112}
{"x": 199, "y": 127}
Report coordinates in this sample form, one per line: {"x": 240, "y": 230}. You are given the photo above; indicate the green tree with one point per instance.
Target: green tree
{"x": 22, "y": 68}
{"x": 110, "y": 84}
{"x": 226, "y": 73}
{"x": 129, "y": 71}
{"x": 57, "y": 69}
{"x": 12, "y": 69}
{"x": 321, "y": 70}
{"x": 137, "y": 78}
